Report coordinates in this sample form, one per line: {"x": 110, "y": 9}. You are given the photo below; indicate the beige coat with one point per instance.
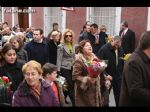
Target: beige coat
{"x": 86, "y": 92}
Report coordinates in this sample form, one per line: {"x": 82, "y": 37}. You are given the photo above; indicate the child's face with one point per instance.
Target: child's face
{"x": 52, "y": 76}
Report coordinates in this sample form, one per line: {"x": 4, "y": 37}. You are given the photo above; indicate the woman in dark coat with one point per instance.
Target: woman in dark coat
{"x": 34, "y": 91}
{"x": 10, "y": 66}
{"x": 53, "y": 43}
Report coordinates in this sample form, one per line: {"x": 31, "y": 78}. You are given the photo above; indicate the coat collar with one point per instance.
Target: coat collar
{"x": 24, "y": 88}
{"x": 143, "y": 55}
{"x": 66, "y": 49}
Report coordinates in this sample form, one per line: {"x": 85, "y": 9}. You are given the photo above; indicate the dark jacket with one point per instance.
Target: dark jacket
{"x": 53, "y": 51}
{"x": 38, "y": 51}
{"x": 91, "y": 38}
{"x": 22, "y": 55}
{"x": 13, "y": 72}
{"x": 107, "y": 53}
{"x": 23, "y": 97}
{"x": 128, "y": 41}
{"x": 135, "y": 90}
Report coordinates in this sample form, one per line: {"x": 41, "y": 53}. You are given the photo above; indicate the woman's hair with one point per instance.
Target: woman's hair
{"x": 18, "y": 39}
{"x": 103, "y": 27}
{"x": 79, "y": 48}
{"x": 32, "y": 64}
{"x": 48, "y": 68}
{"x": 5, "y": 49}
{"x": 63, "y": 40}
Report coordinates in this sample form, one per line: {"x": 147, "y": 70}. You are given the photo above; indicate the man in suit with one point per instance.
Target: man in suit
{"x": 127, "y": 38}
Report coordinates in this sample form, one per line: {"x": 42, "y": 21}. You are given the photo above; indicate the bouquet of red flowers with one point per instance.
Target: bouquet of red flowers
{"x": 4, "y": 82}
{"x": 96, "y": 67}
{"x": 5, "y": 91}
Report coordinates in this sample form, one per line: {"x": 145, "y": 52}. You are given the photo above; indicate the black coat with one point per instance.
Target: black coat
{"x": 38, "y": 51}
{"x": 107, "y": 52}
{"x": 128, "y": 41}
{"x": 13, "y": 72}
{"x": 135, "y": 89}
{"x": 53, "y": 51}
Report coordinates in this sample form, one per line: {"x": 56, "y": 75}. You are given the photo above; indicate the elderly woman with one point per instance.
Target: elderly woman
{"x": 87, "y": 88}
{"x": 65, "y": 55}
{"x": 34, "y": 91}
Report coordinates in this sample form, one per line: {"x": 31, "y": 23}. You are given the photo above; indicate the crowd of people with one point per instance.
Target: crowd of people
{"x": 45, "y": 71}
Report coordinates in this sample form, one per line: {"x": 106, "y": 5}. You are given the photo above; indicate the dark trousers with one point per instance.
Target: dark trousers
{"x": 70, "y": 89}
{"x": 116, "y": 84}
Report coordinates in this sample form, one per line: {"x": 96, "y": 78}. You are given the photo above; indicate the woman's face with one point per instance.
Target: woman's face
{"x": 87, "y": 49}
{"x": 15, "y": 44}
{"x": 56, "y": 38}
{"x": 68, "y": 37}
{"x": 32, "y": 77}
{"x": 10, "y": 57}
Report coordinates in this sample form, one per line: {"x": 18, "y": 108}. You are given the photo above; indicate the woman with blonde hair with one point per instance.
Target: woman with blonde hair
{"x": 65, "y": 55}
{"x": 53, "y": 43}
{"x": 34, "y": 91}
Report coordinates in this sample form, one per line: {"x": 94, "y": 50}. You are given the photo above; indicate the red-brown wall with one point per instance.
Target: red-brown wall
{"x": 137, "y": 19}
{"x": 8, "y": 15}
{"x": 38, "y": 17}
{"x": 75, "y": 20}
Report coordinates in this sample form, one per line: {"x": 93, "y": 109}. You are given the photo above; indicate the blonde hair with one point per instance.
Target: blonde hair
{"x": 63, "y": 36}
{"x": 32, "y": 64}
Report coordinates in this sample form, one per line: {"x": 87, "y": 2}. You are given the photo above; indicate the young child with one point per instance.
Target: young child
{"x": 50, "y": 76}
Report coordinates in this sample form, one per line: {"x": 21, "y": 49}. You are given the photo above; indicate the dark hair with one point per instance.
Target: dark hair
{"x": 54, "y": 24}
{"x": 125, "y": 23}
{"x": 48, "y": 68}
{"x": 5, "y": 23}
{"x": 145, "y": 40}
{"x": 79, "y": 48}
{"x": 5, "y": 49}
{"x": 39, "y": 29}
{"x": 94, "y": 25}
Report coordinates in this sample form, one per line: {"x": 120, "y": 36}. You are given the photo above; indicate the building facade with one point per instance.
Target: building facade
{"x": 137, "y": 17}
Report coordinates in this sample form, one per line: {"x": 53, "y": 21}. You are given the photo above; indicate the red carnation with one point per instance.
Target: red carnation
{"x": 5, "y": 79}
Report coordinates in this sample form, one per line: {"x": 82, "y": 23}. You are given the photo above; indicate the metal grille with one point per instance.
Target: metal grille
{"x": 52, "y": 14}
{"x": 104, "y": 16}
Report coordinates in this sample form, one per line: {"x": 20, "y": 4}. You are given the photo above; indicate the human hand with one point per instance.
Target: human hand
{"x": 107, "y": 84}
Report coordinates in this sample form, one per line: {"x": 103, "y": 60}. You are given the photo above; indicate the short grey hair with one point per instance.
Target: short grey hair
{"x": 117, "y": 37}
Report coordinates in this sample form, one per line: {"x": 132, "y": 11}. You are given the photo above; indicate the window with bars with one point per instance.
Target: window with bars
{"x": 52, "y": 15}
{"x": 104, "y": 16}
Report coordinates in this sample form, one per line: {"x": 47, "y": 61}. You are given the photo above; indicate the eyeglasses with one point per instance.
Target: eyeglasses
{"x": 68, "y": 35}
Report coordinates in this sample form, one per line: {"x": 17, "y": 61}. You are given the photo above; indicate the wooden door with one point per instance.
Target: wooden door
{"x": 23, "y": 18}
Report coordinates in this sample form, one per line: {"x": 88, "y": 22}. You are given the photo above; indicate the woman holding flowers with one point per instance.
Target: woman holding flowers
{"x": 10, "y": 66}
{"x": 87, "y": 69}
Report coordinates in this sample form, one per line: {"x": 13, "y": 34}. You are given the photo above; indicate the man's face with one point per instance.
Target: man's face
{"x": 37, "y": 36}
{"x": 94, "y": 30}
{"x": 116, "y": 44}
{"x": 122, "y": 27}
{"x": 56, "y": 27}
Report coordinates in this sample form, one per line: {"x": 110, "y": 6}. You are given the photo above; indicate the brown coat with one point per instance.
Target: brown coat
{"x": 135, "y": 88}
{"x": 60, "y": 93}
{"x": 86, "y": 93}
